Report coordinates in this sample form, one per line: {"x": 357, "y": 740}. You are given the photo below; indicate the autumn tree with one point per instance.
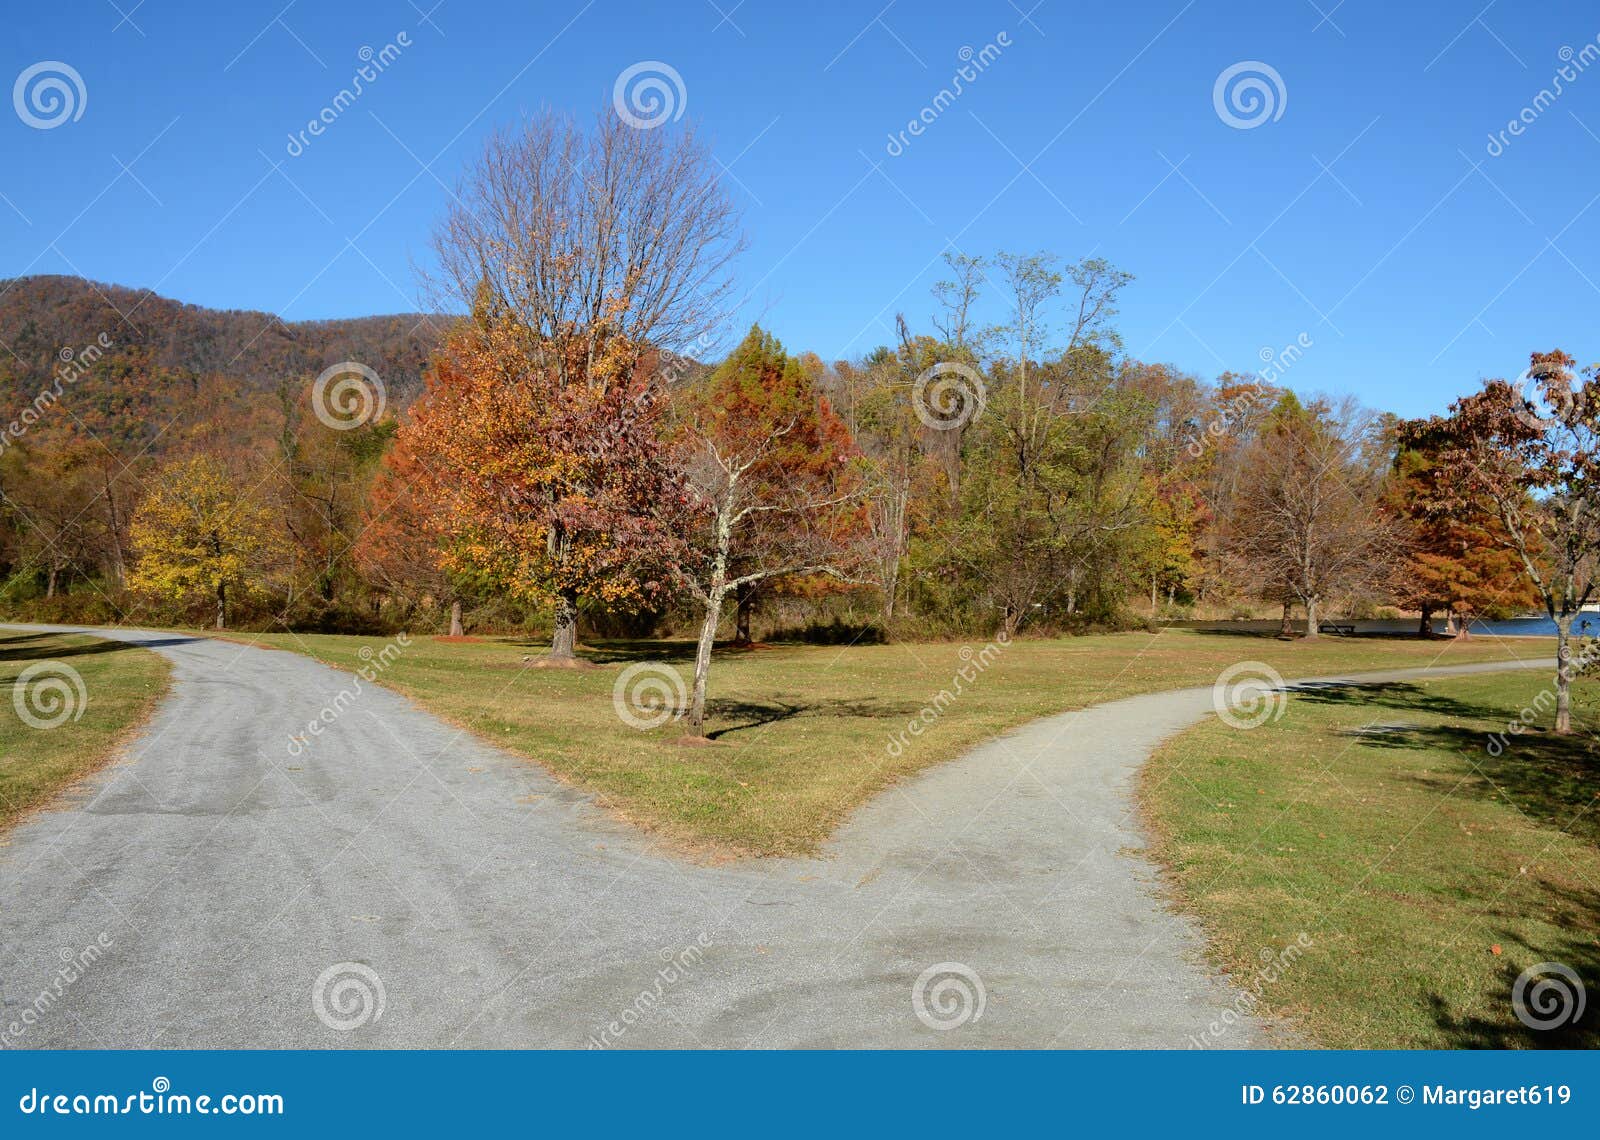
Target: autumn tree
{"x": 909, "y": 421}
{"x": 1166, "y": 554}
{"x": 770, "y": 488}
{"x": 399, "y": 548}
{"x": 1532, "y": 452}
{"x": 199, "y": 531}
{"x": 1213, "y": 461}
{"x": 1458, "y": 561}
{"x": 49, "y": 488}
{"x": 551, "y": 490}
{"x": 588, "y": 250}
{"x": 1310, "y": 524}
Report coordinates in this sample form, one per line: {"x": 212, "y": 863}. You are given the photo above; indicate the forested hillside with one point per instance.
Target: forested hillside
{"x": 170, "y": 340}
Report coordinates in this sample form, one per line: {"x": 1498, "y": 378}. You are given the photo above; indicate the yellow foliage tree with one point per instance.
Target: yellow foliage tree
{"x": 198, "y": 532}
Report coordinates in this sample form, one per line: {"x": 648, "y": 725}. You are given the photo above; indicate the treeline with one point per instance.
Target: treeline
{"x": 573, "y": 465}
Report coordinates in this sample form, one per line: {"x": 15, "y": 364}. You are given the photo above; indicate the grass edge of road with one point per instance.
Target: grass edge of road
{"x": 1376, "y": 820}
{"x": 79, "y": 750}
{"x": 805, "y": 727}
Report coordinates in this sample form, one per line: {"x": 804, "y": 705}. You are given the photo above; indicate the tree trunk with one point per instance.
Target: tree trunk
{"x": 1311, "y": 620}
{"x": 118, "y": 563}
{"x": 1286, "y": 627}
{"x": 222, "y": 604}
{"x": 1425, "y": 628}
{"x": 50, "y": 585}
{"x": 952, "y": 465}
{"x": 455, "y": 619}
{"x": 1564, "y": 675}
{"x": 1153, "y": 602}
{"x": 702, "y": 664}
{"x": 745, "y": 604}
{"x": 564, "y": 642}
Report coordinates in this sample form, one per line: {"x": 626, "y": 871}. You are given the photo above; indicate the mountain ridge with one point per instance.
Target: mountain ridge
{"x": 46, "y": 318}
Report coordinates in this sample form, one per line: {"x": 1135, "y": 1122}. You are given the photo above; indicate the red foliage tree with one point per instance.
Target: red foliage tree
{"x": 1532, "y": 453}
{"x": 554, "y": 490}
{"x": 771, "y": 487}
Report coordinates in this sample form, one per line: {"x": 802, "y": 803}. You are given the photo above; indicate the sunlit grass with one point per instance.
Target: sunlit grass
{"x": 1427, "y": 870}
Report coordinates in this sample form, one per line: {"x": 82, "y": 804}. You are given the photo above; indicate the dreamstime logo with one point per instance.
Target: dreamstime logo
{"x": 649, "y": 94}
{"x": 1274, "y": 965}
{"x": 348, "y": 395}
{"x": 1539, "y": 388}
{"x": 74, "y": 965}
{"x": 1573, "y": 64}
{"x": 1249, "y": 694}
{"x": 372, "y": 65}
{"x": 973, "y": 64}
{"x": 678, "y": 966}
{"x": 72, "y": 366}
{"x": 347, "y": 995}
{"x": 48, "y": 94}
{"x": 648, "y": 694}
{"x": 1544, "y": 702}
{"x": 973, "y": 665}
{"x": 1246, "y": 398}
{"x": 47, "y": 694}
{"x": 948, "y": 995}
{"x": 372, "y": 664}
{"x": 1557, "y": 998}
{"x": 949, "y": 395}
{"x": 1248, "y": 94}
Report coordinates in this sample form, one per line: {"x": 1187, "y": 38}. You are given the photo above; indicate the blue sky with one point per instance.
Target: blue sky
{"x": 1368, "y": 215}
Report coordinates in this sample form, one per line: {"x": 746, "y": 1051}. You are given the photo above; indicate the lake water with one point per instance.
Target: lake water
{"x": 1588, "y": 623}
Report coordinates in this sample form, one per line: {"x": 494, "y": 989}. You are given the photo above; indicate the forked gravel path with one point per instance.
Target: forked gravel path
{"x": 502, "y": 909}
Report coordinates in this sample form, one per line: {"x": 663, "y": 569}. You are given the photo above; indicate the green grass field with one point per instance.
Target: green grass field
{"x": 1427, "y": 871}
{"x": 80, "y": 716}
{"x": 802, "y": 734}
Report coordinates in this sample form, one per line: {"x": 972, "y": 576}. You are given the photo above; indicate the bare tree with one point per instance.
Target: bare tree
{"x": 956, "y": 296}
{"x": 771, "y": 486}
{"x": 1309, "y": 524}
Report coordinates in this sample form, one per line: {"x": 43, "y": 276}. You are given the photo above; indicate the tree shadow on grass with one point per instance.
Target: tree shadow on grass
{"x": 628, "y": 652}
{"x": 1554, "y": 779}
{"x": 1556, "y": 1005}
{"x": 1262, "y": 632}
{"x": 1398, "y": 695}
{"x": 756, "y": 714}
{"x": 44, "y": 647}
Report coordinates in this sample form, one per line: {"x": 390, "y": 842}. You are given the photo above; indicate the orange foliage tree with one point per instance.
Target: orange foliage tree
{"x": 400, "y": 546}
{"x": 1459, "y": 559}
{"x": 556, "y": 491}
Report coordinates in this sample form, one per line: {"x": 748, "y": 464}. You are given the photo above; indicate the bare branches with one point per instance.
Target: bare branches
{"x": 600, "y": 243}
{"x": 1309, "y": 523}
